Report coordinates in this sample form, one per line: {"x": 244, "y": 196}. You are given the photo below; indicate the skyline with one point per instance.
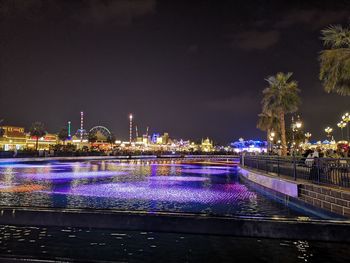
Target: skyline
{"x": 135, "y": 132}
{"x": 192, "y": 69}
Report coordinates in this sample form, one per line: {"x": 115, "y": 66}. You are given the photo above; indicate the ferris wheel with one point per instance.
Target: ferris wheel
{"x": 101, "y": 132}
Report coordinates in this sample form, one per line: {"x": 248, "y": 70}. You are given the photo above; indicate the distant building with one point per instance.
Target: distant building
{"x": 16, "y": 138}
{"x": 206, "y": 145}
{"x": 249, "y": 146}
{"x": 13, "y": 137}
{"x": 155, "y": 137}
{"x": 165, "y": 138}
{"x": 44, "y": 142}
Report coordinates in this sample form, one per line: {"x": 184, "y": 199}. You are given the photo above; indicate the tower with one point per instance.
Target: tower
{"x": 136, "y": 132}
{"x": 81, "y": 125}
{"x": 130, "y": 128}
{"x": 69, "y": 129}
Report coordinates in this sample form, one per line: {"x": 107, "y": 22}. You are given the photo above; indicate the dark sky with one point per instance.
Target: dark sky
{"x": 192, "y": 68}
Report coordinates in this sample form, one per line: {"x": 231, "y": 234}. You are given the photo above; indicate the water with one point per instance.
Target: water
{"x": 91, "y": 245}
{"x": 145, "y": 186}
{"x": 135, "y": 185}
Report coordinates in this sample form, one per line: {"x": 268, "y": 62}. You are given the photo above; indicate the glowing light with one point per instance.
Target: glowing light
{"x": 69, "y": 129}
{"x": 22, "y": 188}
{"x": 72, "y": 175}
{"x": 160, "y": 192}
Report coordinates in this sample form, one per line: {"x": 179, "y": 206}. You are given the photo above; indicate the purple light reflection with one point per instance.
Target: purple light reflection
{"x": 204, "y": 171}
{"x": 179, "y": 178}
{"x": 4, "y": 186}
{"x": 155, "y": 192}
{"x": 72, "y": 175}
{"x": 22, "y": 165}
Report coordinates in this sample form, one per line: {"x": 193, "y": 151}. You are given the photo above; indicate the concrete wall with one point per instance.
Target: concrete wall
{"x": 333, "y": 200}
{"x": 179, "y": 223}
{"x": 282, "y": 186}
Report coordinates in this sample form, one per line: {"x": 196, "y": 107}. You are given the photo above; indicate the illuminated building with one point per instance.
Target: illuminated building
{"x": 165, "y": 138}
{"x": 206, "y": 145}
{"x": 154, "y": 138}
{"x": 44, "y": 143}
{"x": 145, "y": 139}
{"x": 13, "y": 137}
{"x": 249, "y": 146}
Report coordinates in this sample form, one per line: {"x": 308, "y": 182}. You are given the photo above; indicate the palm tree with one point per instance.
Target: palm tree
{"x": 63, "y": 134}
{"x": 37, "y": 130}
{"x": 335, "y": 60}
{"x": 268, "y": 122}
{"x": 280, "y": 98}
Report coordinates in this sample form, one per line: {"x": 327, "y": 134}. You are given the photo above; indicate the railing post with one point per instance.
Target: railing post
{"x": 318, "y": 170}
{"x": 278, "y": 166}
{"x": 294, "y": 168}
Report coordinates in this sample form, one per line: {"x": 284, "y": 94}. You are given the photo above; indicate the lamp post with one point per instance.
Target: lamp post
{"x": 342, "y": 125}
{"x": 328, "y": 130}
{"x": 307, "y": 136}
{"x": 296, "y": 125}
{"x": 272, "y": 136}
{"x": 346, "y": 119}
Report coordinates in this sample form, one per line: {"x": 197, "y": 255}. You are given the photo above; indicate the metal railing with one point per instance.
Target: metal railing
{"x": 327, "y": 171}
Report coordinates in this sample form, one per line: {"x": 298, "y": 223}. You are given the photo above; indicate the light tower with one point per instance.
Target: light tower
{"x": 136, "y": 132}
{"x": 130, "y": 127}
{"x": 81, "y": 125}
{"x": 69, "y": 129}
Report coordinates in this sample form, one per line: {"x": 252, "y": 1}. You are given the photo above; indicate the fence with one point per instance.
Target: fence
{"x": 327, "y": 171}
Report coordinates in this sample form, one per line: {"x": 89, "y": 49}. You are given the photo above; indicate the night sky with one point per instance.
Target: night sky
{"x": 191, "y": 68}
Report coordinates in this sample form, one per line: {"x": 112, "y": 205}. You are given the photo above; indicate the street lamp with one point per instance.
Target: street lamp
{"x": 296, "y": 125}
{"x": 346, "y": 119}
{"x": 328, "y": 130}
{"x": 342, "y": 125}
{"x": 308, "y": 136}
{"x": 272, "y": 136}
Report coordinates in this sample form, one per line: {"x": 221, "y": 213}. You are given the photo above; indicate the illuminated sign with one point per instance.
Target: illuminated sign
{"x": 11, "y": 131}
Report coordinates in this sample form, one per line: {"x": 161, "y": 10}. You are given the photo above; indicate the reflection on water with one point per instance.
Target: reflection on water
{"x": 134, "y": 185}
{"x": 85, "y": 245}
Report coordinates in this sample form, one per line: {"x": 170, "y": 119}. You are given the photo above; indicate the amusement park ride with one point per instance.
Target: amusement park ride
{"x": 99, "y": 136}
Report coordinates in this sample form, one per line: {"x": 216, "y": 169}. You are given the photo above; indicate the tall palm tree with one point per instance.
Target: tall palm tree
{"x": 63, "y": 134}
{"x": 37, "y": 130}
{"x": 279, "y": 98}
{"x": 335, "y": 60}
